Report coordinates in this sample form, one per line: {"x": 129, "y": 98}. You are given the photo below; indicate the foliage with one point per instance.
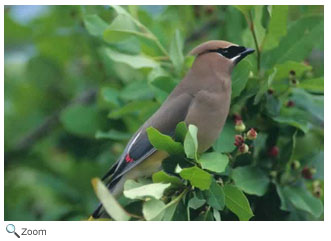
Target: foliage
{"x": 134, "y": 56}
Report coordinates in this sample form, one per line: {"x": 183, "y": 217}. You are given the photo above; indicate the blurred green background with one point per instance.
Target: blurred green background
{"x": 70, "y": 105}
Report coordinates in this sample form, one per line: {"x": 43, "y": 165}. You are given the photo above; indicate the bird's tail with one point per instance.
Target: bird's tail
{"x": 97, "y": 212}
{"x": 100, "y": 212}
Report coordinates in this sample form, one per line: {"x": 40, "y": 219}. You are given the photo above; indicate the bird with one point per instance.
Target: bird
{"x": 202, "y": 98}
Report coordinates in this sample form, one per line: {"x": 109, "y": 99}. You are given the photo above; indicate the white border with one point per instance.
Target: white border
{"x": 179, "y": 230}
{"x": 168, "y": 2}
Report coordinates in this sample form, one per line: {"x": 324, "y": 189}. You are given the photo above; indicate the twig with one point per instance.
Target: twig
{"x": 258, "y": 52}
{"x": 150, "y": 35}
{"x": 48, "y": 125}
{"x": 158, "y": 43}
{"x": 44, "y": 128}
{"x": 161, "y": 58}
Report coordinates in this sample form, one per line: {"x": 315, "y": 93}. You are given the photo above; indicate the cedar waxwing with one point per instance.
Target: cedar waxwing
{"x": 202, "y": 98}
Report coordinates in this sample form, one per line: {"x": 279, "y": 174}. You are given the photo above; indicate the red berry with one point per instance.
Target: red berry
{"x": 273, "y": 152}
{"x": 252, "y": 134}
{"x": 240, "y": 126}
{"x": 239, "y": 140}
{"x": 306, "y": 173}
{"x": 290, "y": 103}
{"x": 236, "y": 117}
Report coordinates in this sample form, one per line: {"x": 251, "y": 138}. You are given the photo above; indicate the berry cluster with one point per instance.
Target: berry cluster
{"x": 240, "y": 139}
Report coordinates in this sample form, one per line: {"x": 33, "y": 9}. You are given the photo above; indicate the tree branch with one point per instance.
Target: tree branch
{"x": 200, "y": 32}
{"x": 48, "y": 124}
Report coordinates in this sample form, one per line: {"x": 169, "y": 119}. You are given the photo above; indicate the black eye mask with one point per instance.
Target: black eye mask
{"x": 237, "y": 52}
{"x": 230, "y": 52}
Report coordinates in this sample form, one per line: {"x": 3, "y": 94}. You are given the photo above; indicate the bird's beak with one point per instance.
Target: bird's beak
{"x": 243, "y": 54}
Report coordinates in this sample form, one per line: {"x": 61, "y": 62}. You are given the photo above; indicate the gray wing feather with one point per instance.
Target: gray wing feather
{"x": 165, "y": 120}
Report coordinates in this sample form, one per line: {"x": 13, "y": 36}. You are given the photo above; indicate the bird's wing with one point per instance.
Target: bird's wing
{"x": 139, "y": 148}
{"x": 208, "y": 111}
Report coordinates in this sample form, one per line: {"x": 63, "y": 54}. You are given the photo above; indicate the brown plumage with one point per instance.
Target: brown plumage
{"x": 202, "y": 98}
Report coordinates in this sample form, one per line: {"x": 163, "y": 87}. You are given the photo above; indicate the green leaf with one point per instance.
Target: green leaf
{"x": 122, "y": 27}
{"x": 283, "y": 69}
{"x": 135, "y": 61}
{"x": 164, "y": 142}
{"x": 112, "y": 207}
{"x": 196, "y": 202}
{"x": 312, "y": 104}
{"x": 303, "y": 200}
{"x": 191, "y": 142}
{"x": 164, "y": 177}
{"x": 197, "y": 177}
{"x": 188, "y": 61}
{"x": 121, "y": 10}
{"x": 161, "y": 79}
{"x": 113, "y": 135}
{"x": 234, "y": 21}
{"x": 258, "y": 27}
{"x": 259, "y": 144}
{"x": 281, "y": 82}
{"x": 239, "y": 78}
{"x": 134, "y": 190}
{"x": 136, "y": 90}
{"x": 284, "y": 203}
{"x": 287, "y": 153}
{"x": 110, "y": 95}
{"x": 216, "y": 215}
{"x": 318, "y": 163}
{"x": 161, "y": 83}
{"x": 313, "y": 85}
{"x": 176, "y": 51}
{"x": 181, "y": 131}
{"x": 80, "y": 120}
{"x": 169, "y": 211}
{"x": 272, "y": 105}
{"x": 215, "y": 196}
{"x": 95, "y": 25}
{"x": 205, "y": 216}
{"x": 214, "y": 161}
{"x": 153, "y": 210}
{"x": 310, "y": 30}
{"x": 237, "y": 202}
{"x": 277, "y": 26}
{"x": 308, "y": 145}
{"x": 171, "y": 207}
{"x": 225, "y": 142}
{"x": 157, "y": 211}
{"x": 131, "y": 184}
{"x": 265, "y": 86}
{"x": 244, "y": 8}
{"x": 293, "y": 117}
{"x": 251, "y": 180}
{"x": 135, "y": 106}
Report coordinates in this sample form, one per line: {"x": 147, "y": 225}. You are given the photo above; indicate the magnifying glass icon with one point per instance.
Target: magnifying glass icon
{"x": 11, "y": 229}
